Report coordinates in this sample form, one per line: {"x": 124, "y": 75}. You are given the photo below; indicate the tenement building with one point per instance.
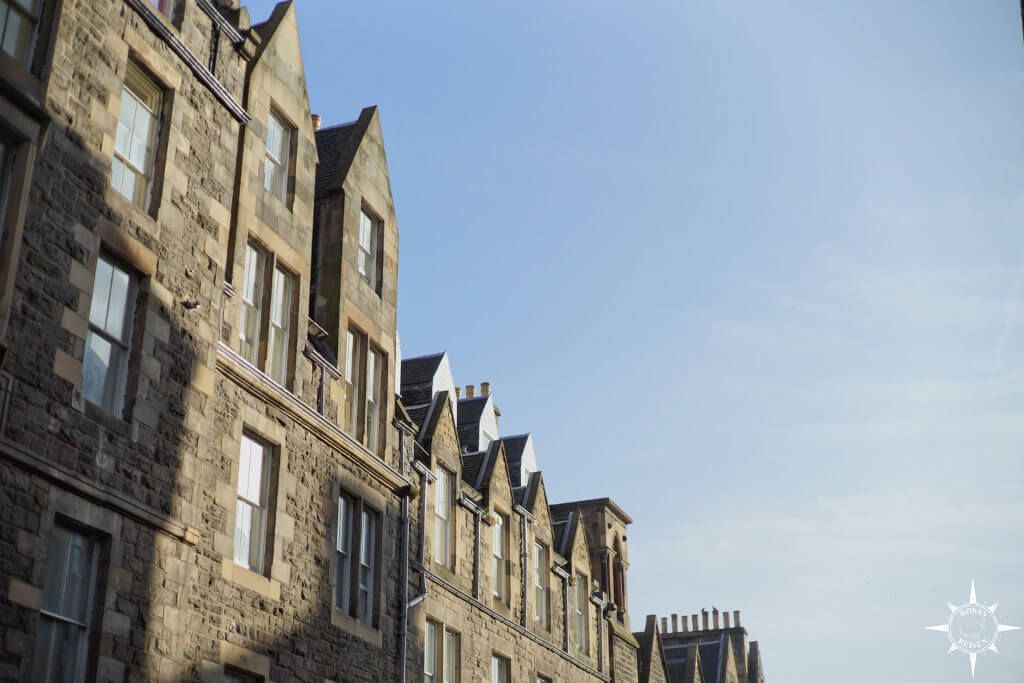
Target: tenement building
{"x": 214, "y": 464}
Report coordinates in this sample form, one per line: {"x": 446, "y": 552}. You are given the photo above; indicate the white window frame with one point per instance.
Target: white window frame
{"x": 444, "y": 508}
{"x": 499, "y": 556}
{"x": 269, "y": 298}
{"x": 279, "y": 346}
{"x": 366, "y": 604}
{"x": 253, "y": 287}
{"x": 106, "y": 331}
{"x": 343, "y": 547}
{"x": 369, "y": 241}
{"x": 276, "y": 165}
{"x": 357, "y": 546}
{"x": 442, "y": 652}
{"x": 501, "y": 668}
{"x": 140, "y": 95}
{"x": 49, "y": 650}
{"x": 251, "y": 552}
{"x": 540, "y": 584}
{"x": 365, "y": 381}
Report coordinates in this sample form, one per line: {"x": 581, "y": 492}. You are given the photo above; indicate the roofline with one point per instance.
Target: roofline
{"x": 426, "y": 355}
{"x": 598, "y": 502}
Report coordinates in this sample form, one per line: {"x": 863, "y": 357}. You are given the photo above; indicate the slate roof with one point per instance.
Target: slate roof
{"x": 418, "y": 413}
{"x": 336, "y": 147}
{"x": 514, "y": 447}
{"x": 471, "y": 465}
{"x": 470, "y": 411}
{"x": 418, "y": 378}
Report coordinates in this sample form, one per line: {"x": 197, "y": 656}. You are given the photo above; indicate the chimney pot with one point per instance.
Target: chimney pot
{"x": 714, "y": 618}
{"x": 704, "y": 618}
{"x": 470, "y": 391}
{"x": 458, "y": 392}
{"x": 686, "y": 624}
{"x": 664, "y": 624}
{"x": 696, "y": 624}
{"x": 316, "y": 121}
{"x": 725, "y": 619}
{"x": 736, "y": 618}
{"x": 485, "y": 388}
{"x": 675, "y": 623}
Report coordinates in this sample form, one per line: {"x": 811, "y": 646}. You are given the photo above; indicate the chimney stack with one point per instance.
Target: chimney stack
{"x": 704, "y": 619}
{"x": 316, "y": 121}
{"x": 458, "y": 393}
{"x": 714, "y": 618}
{"x": 675, "y": 623}
{"x": 736, "y": 618}
{"x": 664, "y": 624}
{"x": 696, "y": 624}
{"x": 470, "y": 391}
{"x": 725, "y": 619}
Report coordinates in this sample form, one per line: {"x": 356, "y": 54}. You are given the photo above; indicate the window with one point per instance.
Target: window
{"x": 66, "y": 617}
{"x": 169, "y": 8}
{"x": 275, "y": 167}
{"x": 443, "y": 510}
{"x": 580, "y": 613}
{"x": 279, "y": 298}
{"x": 105, "y": 365}
{"x": 18, "y": 19}
{"x": 540, "y": 584}
{"x": 370, "y": 262}
{"x": 135, "y": 144}
{"x": 280, "y": 325}
{"x": 499, "y": 553}
{"x": 440, "y": 654}
{"x": 501, "y": 669}
{"x": 346, "y": 506}
{"x": 367, "y": 563}
{"x": 362, "y": 537}
{"x": 252, "y": 509}
{"x": 252, "y": 302}
{"x": 236, "y": 676}
{"x": 365, "y": 372}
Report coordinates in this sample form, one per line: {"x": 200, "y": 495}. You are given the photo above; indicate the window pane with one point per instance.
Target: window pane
{"x": 243, "y": 532}
{"x": 60, "y": 652}
{"x": 451, "y": 656}
{"x": 100, "y": 292}
{"x": 430, "y": 651}
{"x": 252, "y": 303}
{"x": 96, "y": 370}
{"x": 117, "y": 309}
{"x": 280, "y": 325}
{"x": 367, "y": 562}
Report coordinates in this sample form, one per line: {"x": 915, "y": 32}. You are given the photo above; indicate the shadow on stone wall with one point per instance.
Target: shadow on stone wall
{"x": 60, "y": 450}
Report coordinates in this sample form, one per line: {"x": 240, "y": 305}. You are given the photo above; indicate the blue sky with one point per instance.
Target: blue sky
{"x": 752, "y": 269}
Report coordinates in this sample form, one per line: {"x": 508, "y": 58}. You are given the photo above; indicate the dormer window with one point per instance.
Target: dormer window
{"x": 370, "y": 261}
{"x": 18, "y": 21}
{"x": 276, "y": 165}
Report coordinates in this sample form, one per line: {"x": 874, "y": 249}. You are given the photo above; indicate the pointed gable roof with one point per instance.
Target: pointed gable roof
{"x": 337, "y": 147}
{"x": 650, "y": 655}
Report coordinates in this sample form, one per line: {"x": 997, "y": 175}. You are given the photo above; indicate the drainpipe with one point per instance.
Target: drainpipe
{"x": 564, "y": 575}
{"x": 524, "y": 560}
{"x": 477, "y": 513}
{"x": 409, "y": 602}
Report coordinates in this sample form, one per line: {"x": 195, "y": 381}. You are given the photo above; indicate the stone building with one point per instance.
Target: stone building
{"x": 213, "y": 465}
{"x": 709, "y": 648}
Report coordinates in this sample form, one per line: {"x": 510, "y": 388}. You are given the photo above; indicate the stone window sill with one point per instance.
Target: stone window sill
{"x": 356, "y": 628}
{"x": 268, "y": 588}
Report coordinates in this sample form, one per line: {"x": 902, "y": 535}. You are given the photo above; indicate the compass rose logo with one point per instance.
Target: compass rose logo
{"x": 973, "y": 628}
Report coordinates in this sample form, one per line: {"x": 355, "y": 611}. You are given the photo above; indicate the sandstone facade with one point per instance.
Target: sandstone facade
{"x": 210, "y": 468}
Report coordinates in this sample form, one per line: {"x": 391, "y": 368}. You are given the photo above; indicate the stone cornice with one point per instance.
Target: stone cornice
{"x": 249, "y": 378}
